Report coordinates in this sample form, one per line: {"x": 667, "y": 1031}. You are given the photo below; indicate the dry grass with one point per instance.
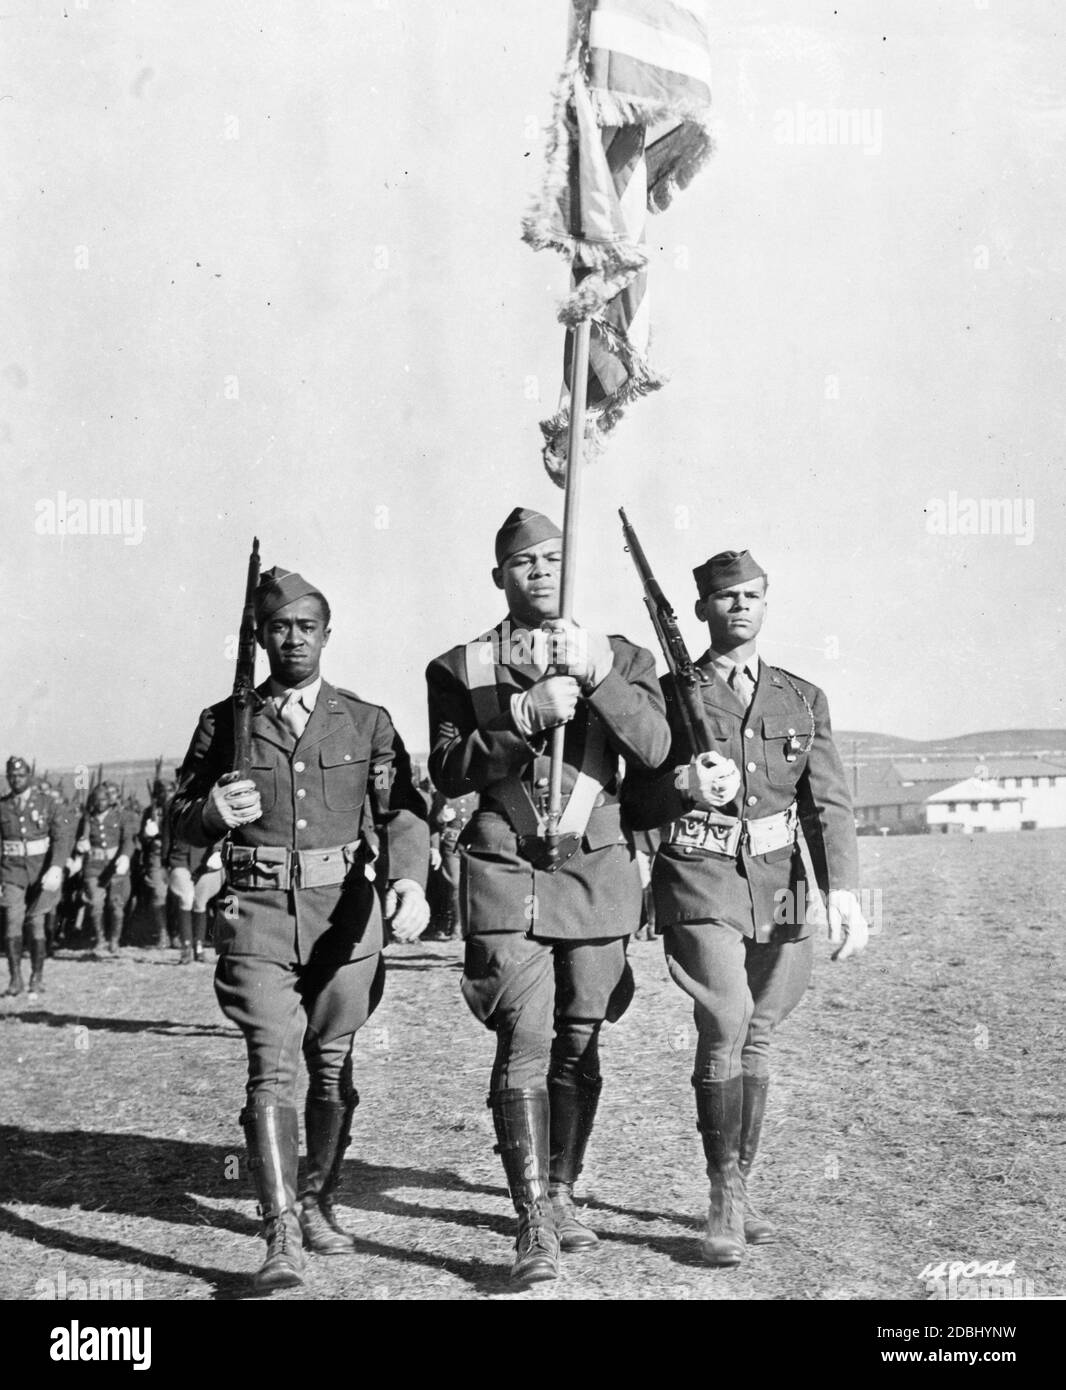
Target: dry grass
{"x": 917, "y": 1115}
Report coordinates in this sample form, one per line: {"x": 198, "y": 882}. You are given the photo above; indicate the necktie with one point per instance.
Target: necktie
{"x": 293, "y": 715}
{"x": 742, "y": 686}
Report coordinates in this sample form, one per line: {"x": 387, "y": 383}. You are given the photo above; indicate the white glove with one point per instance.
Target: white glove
{"x": 52, "y": 879}
{"x": 550, "y": 702}
{"x": 710, "y": 780}
{"x": 846, "y": 923}
{"x": 213, "y": 860}
{"x": 406, "y": 910}
{"x": 232, "y": 801}
{"x": 814, "y": 914}
{"x": 122, "y": 866}
{"x": 435, "y": 860}
{"x": 82, "y": 846}
{"x": 585, "y": 655}
{"x": 151, "y": 829}
{"x": 74, "y": 866}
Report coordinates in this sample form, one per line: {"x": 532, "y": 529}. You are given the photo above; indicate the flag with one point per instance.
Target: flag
{"x": 630, "y": 126}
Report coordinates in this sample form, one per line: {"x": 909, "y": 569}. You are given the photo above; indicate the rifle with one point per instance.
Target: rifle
{"x": 155, "y": 779}
{"x": 687, "y": 676}
{"x": 245, "y": 700}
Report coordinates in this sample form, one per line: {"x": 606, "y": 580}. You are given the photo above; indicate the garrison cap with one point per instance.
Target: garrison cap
{"x": 277, "y": 587}
{"x": 17, "y": 764}
{"x": 524, "y": 528}
{"x": 725, "y": 569}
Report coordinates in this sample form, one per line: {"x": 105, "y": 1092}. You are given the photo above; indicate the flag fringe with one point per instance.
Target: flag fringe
{"x": 602, "y": 419}
{"x": 611, "y": 264}
{"x": 690, "y": 143}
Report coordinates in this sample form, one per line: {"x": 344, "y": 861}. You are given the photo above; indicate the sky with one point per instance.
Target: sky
{"x": 263, "y": 274}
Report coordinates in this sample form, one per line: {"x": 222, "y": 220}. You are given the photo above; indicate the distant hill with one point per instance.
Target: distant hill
{"x": 1031, "y": 743}
{"x": 136, "y": 773}
{"x": 857, "y": 748}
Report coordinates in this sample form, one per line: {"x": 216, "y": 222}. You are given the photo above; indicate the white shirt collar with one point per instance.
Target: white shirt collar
{"x": 308, "y": 694}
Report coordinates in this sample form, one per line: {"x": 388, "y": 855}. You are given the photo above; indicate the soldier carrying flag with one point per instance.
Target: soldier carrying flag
{"x": 545, "y": 959}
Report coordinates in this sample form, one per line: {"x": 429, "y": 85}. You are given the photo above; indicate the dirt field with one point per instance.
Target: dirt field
{"x": 917, "y": 1116}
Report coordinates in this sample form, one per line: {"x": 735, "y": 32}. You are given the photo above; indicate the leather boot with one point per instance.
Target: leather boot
{"x": 522, "y": 1124}
{"x": 328, "y": 1126}
{"x": 184, "y": 916}
{"x": 757, "y": 1230}
{"x": 159, "y": 919}
{"x": 38, "y": 955}
{"x": 272, "y": 1133}
{"x": 14, "y": 961}
{"x": 94, "y": 925}
{"x": 199, "y": 931}
{"x": 719, "y": 1106}
{"x": 114, "y": 928}
{"x": 573, "y": 1111}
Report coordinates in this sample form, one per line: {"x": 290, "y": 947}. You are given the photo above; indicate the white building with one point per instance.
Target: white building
{"x": 1041, "y": 784}
{"x": 977, "y": 804}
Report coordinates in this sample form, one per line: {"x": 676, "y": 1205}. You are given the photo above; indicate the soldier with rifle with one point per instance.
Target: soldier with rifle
{"x": 106, "y": 839}
{"x": 447, "y": 821}
{"x": 34, "y": 844}
{"x": 154, "y": 839}
{"x": 312, "y": 788}
{"x": 752, "y": 764}
{"x": 546, "y": 918}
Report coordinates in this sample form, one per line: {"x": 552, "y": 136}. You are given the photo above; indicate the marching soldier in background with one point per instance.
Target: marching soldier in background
{"x": 447, "y": 821}
{"x": 195, "y": 879}
{"x": 51, "y": 917}
{"x": 545, "y": 958}
{"x": 729, "y": 882}
{"x": 106, "y": 839}
{"x": 154, "y": 839}
{"x": 299, "y": 932}
{"x": 34, "y": 844}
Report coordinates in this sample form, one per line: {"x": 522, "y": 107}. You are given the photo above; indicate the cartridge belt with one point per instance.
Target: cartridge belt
{"x": 710, "y": 832}
{"x": 25, "y": 849}
{"x": 276, "y": 866}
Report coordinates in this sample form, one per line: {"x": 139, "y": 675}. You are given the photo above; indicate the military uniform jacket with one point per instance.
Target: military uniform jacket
{"x": 761, "y": 895}
{"x": 347, "y": 779}
{"x": 38, "y": 817}
{"x": 448, "y": 828}
{"x": 596, "y": 893}
{"x": 110, "y": 833}
{"x": 195, "y": 858}
{"x": 155, "y": 849}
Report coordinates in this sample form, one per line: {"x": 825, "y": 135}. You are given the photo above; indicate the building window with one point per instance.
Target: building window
{"x": 975, "y": 805}
{"x": 953, "y": 806}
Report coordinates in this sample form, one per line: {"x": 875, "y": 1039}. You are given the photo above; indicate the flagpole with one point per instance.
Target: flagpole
{"x": 579, "y": 376}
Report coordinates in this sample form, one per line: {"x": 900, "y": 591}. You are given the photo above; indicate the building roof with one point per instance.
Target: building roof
{"x": 975, "y": 789}
{"x": 887, "y": 793}
{"x": 958, "y": 769}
